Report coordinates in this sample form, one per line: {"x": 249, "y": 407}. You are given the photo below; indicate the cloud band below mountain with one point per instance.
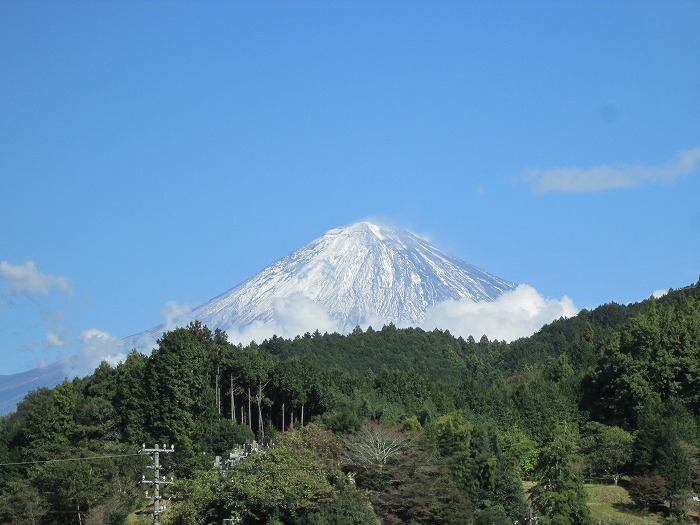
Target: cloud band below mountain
{"x": 515, "y": 314}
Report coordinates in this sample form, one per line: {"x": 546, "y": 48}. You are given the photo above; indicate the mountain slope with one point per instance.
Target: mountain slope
{"x": 357, "y": 275}
{"x": 14, "y": 387}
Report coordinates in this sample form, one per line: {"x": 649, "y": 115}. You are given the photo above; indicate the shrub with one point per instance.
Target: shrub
{"x": 648, "y": 492}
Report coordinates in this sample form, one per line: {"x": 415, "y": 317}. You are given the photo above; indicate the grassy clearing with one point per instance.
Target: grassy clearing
{"x": 611, "y": 503}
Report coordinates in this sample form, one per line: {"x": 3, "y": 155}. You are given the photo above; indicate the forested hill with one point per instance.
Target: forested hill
{"x": 613, "y": 391}
{"x": 439, "y": 355}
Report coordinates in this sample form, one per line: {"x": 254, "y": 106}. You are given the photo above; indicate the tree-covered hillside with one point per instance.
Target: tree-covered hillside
{"x": 387, "y": 425}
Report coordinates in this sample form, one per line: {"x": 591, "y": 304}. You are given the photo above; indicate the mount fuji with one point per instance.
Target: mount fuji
{"x": 363, "y": 274}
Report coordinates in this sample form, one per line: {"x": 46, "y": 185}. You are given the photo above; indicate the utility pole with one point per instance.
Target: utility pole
{"x": 157, "y": 480}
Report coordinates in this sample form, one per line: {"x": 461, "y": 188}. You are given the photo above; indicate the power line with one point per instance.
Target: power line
{"x": 88, "y": 458}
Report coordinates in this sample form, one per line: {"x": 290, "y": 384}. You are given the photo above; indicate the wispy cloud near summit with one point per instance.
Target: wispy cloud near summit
{"x": 613, "y": 176}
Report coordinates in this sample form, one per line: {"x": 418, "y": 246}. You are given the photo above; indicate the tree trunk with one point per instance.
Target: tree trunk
{"x": 250, "y": 411}
{"x": 258, "y": 400}
{"x": 233, "y": 404}
{"x": 217, "y": 386}
{"x": 282, "y": 416}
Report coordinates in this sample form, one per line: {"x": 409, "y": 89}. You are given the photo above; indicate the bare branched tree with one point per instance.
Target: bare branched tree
{"x": 374, "y": 444}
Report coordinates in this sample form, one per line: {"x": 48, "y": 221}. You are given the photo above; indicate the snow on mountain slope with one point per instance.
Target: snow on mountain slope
{"x": 14, "y": 387}
{"x": 358, "y": 275}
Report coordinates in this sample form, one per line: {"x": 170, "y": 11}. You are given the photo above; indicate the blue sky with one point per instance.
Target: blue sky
{"x": 156, "y": 153}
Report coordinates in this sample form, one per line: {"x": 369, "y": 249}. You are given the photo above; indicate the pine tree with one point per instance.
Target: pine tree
{"x": 559, "y": 496}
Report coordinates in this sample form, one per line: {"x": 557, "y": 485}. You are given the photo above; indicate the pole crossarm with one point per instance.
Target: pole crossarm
{"x": 157, "y": 480}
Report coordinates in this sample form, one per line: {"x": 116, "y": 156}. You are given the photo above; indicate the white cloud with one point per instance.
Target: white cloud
{"x": 291, "y": 316}
{"x": 27, "y": 279}
{"x": 95, "y": 346}
{"x": 298, "y": 314}
{"x": 172, "y": 313}
{"x": 607, "y": 177}
{"x": 174, "y": 316}
{"x": 54, "y": 339}
{"x": 659, "y": 293}
{"x": 515, "y": 314}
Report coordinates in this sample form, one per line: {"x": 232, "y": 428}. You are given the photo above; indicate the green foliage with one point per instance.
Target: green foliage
{"x": 95, "y": 418}
{"x": 345, "y": 419}
{"x": 199, "y": 500}
{"x": 131, "y": 400}
{"x": 519, "y": 453}
{"x": 658, "y": 449}
{"x": 541, "y": 404}
{"x": 411, "y": 423}
{"x": 22, "y": 503}
{"x": 478, "y": 415}
{"x": 608, "y": 449}
{"x": 477, "y": 464}
{"x": 492, "y": 516}
{"x": 347, "y": 508}
{"x": 10, "y": 451}
{"x": 178, "y": 376}
{"x": 559, "y": 496}
{"x": 654, "y": 354}
{"x": 40, "y": 428}
{"x": 287, "y": 482}
{"x": 71, "y": 487}
{"x": 451, "y": 433}
{"x": 223, "y": 435}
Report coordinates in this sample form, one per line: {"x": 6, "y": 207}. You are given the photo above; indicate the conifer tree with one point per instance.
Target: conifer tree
{"x": 559, "y": 496}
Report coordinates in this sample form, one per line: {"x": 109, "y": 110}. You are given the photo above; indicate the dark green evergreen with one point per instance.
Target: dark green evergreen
{"x": 559, "y": 496}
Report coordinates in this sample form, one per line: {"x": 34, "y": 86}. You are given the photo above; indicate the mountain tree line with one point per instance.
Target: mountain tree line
{"x": 400, "y": 425}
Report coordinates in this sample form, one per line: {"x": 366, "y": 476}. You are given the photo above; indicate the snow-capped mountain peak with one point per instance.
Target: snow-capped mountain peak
{"x": 357, "y": 275}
